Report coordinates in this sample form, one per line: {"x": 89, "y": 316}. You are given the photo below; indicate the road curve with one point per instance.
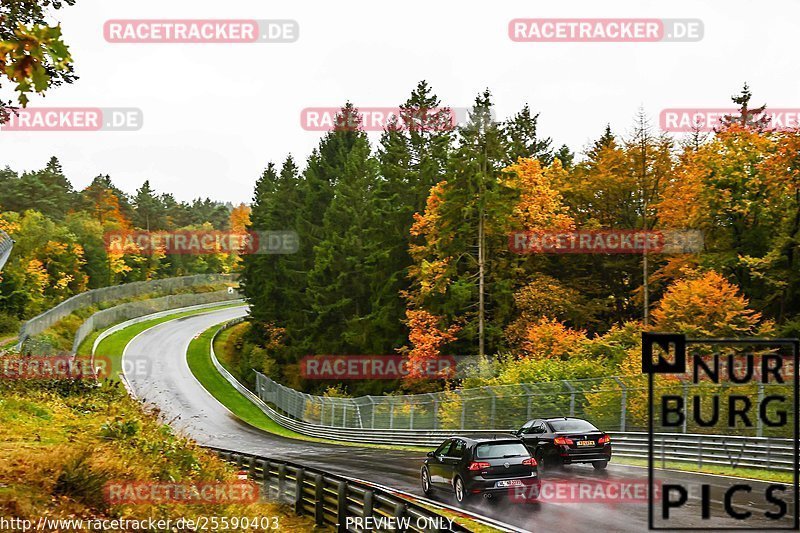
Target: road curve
{"x": 169, "y": 384}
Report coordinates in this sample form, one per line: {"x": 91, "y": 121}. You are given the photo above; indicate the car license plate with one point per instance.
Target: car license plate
{"x": 509, "y": 483}
{"x": 585, "y": 443}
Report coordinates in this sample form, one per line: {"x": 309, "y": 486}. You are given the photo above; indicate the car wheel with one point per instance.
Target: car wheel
{"x": 461, "y": 493}
{"x": 425, "y": 479}
{"x": 539, "y": 456}
{"x": 600, "y": 465}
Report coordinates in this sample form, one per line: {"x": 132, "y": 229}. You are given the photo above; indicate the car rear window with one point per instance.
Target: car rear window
{"x": 498, "y": 450}
{"x": 572, "y": 425}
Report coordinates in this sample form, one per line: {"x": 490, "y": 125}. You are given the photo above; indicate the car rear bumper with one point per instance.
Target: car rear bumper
{"x": 576, "y": 455}
{"x": 481, "y": 485}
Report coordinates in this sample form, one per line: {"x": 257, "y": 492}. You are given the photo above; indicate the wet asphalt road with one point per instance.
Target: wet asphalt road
{"x": 169, "y": 384}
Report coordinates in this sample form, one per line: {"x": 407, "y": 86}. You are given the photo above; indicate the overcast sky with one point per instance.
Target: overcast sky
{"x": 215, "y": 114}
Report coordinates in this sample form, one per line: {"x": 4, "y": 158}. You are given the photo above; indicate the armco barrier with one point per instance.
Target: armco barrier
{"x": 330, "y": 499}
{"x": 45, "y": 320}
{"x": 161, "y": 314}
{"x": 122, "y": 312}
{"x": 6, "y": 244}
{"x": 687, "y": 448}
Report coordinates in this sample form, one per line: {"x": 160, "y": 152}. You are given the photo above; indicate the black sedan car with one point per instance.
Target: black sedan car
{"x": 490, "y": 466}
{"x": 563, "y": 441}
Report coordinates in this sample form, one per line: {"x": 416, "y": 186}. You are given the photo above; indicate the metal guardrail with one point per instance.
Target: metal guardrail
{"x": 43, "y": 321}
{"x": 113, "y": 315}
{"x": 688, "y": 448}
{"x": 6, "y": 244}
{"x": 332, "y": 499}
{"x": 708, "y": 450}
{"x": 160, "y": 314}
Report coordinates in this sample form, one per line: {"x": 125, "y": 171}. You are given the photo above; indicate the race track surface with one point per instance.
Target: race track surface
{"x": 170, "y": 385}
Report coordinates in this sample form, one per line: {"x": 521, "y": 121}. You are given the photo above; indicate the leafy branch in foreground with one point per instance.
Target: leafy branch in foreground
{"x": 33, "y": 55}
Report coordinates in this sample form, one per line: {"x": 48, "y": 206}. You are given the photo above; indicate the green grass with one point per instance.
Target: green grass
{"x": 752, "y": 473}
{"x": 9, "y": 343}
{"x": 199, "y": 358}
{"x": 113, "y": 345}
{"x": 61, "y": 446}
{"x": 223, "y": 354}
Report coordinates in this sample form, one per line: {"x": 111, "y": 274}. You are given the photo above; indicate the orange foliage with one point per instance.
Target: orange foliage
{"x": 427, "y": 338}
{"x": 105, "y": 208}
{"x": 540, "y": 205}
{"x": 432, "y": 275}
{"x": 240, "y": 218}
{"x": 425, "y": 225}
{"x": 784, "y": 162}
{"x": 681, "y": 206}
{"x": 547, "y": 338}
{"x": 705, "y": 305}
{"x": 542, "y": 296}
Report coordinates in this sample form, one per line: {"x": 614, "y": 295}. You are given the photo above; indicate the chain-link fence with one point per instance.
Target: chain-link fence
{"x": 120, "y": 313}
{"x": 614, "y": 403}
{"x": 6, "y": 244}
{"x": 49, "y": 318}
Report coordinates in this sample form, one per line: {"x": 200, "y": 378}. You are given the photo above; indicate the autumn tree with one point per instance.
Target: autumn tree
{"x": 547, "y": 338}
{"x": 240, "y": 218}
{"x": 103, "y": 203}
{"x": 538, "y": 204}
{"x": 705, "y": 305}
{"x": 427, "y": 336}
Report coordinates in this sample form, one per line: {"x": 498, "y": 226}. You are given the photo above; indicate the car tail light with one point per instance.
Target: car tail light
{"x": 530, "y": 462}
{"x": 478, "y": 466}
{"x": 605, "y": 439}
{"x": 563, "y": 440}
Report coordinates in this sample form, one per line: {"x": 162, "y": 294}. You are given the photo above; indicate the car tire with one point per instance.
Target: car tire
{"x": 539, "y": 456}
{"x": 425, "y": 481}
{"x": 600, "y": 465}
{"x": 460, "y": 492}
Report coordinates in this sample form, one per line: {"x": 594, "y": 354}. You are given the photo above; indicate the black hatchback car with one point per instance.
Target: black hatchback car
{"x": 563, "y": 441}
{"x": 490, "y": 466}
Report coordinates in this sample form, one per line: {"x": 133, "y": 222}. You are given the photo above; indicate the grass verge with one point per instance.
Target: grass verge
{"x": 63, "y": 442}
{"x": 199, "y": 358}
{"x": 113, "y": 345}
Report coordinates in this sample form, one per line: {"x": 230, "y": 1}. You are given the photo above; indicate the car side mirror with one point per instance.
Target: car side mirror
{"x": 431, "y": 454}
